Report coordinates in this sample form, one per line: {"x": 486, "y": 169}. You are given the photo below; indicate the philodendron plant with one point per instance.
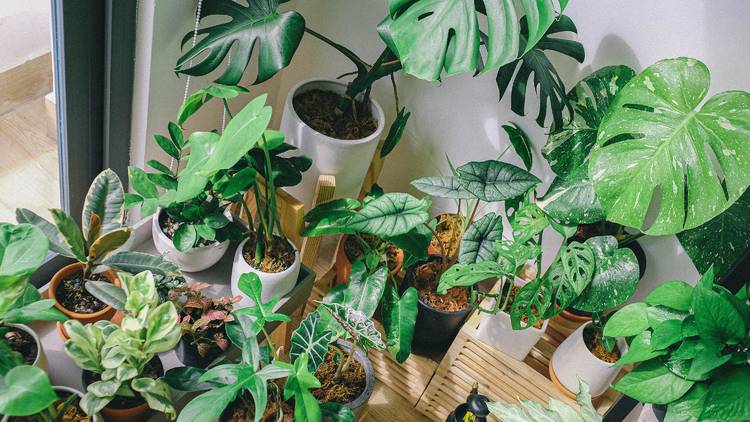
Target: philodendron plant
{"x": 555, "y": 411}
{"x": 103, "y": 224}
{"x": 119, "y": 354}
{"x": 692, "y": 346}
{"x": 26, "y": 391}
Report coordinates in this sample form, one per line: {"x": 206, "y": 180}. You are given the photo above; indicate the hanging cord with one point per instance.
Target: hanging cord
{"x": 190, "y": 64}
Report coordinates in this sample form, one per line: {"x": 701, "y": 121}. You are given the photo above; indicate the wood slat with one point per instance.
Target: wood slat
{"x": 324, "y": 191}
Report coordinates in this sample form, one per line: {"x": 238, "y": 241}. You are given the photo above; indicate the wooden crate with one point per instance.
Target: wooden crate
{"x": 500, "y": 377}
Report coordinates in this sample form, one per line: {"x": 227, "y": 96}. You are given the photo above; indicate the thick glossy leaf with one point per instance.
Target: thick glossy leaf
{"x": 163, "y": 331}
{"x": 442, "y": 187}
{"x": 615, "y": 278}
{"x": 23, "y": 248}
{"x": 105, "y": 199}
{"x": 722, "y": 241}
{"x": 652, "y": 382}
{"x": 399, "y": 319}
{"x": 628, "y": 321}
{"x": 391, "y": 214}
{"x": 396, "y": 132}
{"x": 185, "y": 237}
{"x": 356, "y": 324}
{"x": 727, "y": 398}
{"x": 157, "y": 395}
{"x": 521, "y": 143}
{"x": 70, "y": 233}
{"x": 571, "y": 199}
{"x": 41, "y": 310}
{"x": 716, "y": 317}
{"x": 640, "y": 349}
{"x": 546, "y": 81}
{"x": 185, "y": 378}
{"x": 107, "y": 293}
{"x": 25, "y": 390}
{"x": 208, "y": 406}
{"x": 192, "y": 180}
{"x": 672, "y": 294}
{"x": 478, "y": 241}
{"x": 251, "y": 286}
{"x": 56, "y": 242}
{"x": 140, "y": 182}
{"x": 108, "y": 243}
{"x": 493, "y": 181}
{"x": 670, "y": 156}
{"x": 431, "y": 35}
{"x": 689, "y": 407}
{"x": 276, "y": 35}
{"x": 470, "y": 274}
{"x": 135, "y": 262}
{"x": 311, "y": 339}
{"x": 365, "y": 289}
{"x": 568, "y": 149}
{"x": 298, "y": 385}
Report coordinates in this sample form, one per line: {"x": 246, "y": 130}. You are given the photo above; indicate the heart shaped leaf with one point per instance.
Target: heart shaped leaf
{"x": 391, "y": 214}
{"x": 478, "y": 242}
{"x": 493, "y": 181}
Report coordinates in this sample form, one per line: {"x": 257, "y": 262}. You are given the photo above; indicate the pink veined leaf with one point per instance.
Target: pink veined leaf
{"x": 200, "y": 324}
{"x": 221, "y": 341}
{"x": 197, "y": 286}
{"x": 214, "y": 314}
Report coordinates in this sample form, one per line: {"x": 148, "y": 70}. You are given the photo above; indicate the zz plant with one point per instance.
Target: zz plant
{"x": 119, "y": 354}
{"x": 692, "y": 345}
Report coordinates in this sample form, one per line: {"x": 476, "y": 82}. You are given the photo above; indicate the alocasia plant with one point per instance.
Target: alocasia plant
{"x": 693, "y": 346}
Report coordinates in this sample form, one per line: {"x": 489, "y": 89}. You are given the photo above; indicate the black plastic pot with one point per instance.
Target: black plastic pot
{"x": 660, "y": 411}
{"x": 435, "y": 329}
{"x": 187, "y": 353}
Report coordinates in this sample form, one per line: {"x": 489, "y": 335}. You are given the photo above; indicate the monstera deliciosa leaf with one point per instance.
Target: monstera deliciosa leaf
{"x": 431, "y": 35}
{"x": 276, "y": 35}
{"x": 688, "y": 158}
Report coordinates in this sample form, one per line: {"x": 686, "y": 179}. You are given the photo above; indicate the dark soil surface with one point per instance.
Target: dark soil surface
{"x": 426, "y": 279}
{"x": 344, "y": 389}
{"x": 170, "y": 226}
{"x": 448, "y": 231}
{"x": 353, "y": 250}
{"x": 243, "y": 410}
{"x": 317, "y": 108}
{"x": 71, "y": 293}
{"x": 279, "y": 256}
{"x": 22, "y": 342}
{"x": 153, "y": 370}
{"x": 70, "y": 411}
{"x": 592, "y": 338}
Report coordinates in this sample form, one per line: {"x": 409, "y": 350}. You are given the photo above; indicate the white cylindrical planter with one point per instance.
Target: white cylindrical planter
{"x": 41, "y": 359}
{"x": 572, "y": 360}
{"x": 196, "y": 259}
{"x": 497, "y": 331}
{"x": 348, "y": 160}
{"x": 274, "y": 284}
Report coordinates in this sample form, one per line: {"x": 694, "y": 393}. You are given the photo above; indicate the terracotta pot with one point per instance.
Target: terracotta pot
{"x": 344, "y": 266}
{"x": 60, "y": 328}
{"x": 107, "y": 313}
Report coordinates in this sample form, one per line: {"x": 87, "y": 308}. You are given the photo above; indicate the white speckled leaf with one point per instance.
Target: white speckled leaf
{"x": 571, "y": 199}
{"x": 615, "y": 276}
{"x": 667, "y": 155}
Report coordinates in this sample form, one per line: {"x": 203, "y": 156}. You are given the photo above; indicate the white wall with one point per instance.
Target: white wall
{"x": 461, "y": 116}
{"x": 25, "y": 31}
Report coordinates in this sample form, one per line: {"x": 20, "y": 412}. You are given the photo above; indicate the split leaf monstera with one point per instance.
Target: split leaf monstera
{"x": 658, "y": 143}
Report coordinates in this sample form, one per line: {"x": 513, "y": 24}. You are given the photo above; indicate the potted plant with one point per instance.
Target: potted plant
{"x": 26, "y": 394}
{"x": 690, "y": 344}
{"x": 121, "y": 369}
{"x": 102, "y": 233}
{"x": 556, "y": 410}
{"x": 22, "y": 249}
{"x": 202, "y": 320}
{"x": 167, "y": 276}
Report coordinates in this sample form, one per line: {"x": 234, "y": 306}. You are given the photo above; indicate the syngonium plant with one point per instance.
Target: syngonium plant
{"x": 255, "y": 373}
{"x": 119, "y": 354}
{"x": 103, "y": 224}
{"x": 692, "y": 345}
{"x": 27, "y": 391}
{"x": 23, "y": 248}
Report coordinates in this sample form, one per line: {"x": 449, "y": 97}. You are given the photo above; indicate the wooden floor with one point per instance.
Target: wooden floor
{"x": 29, "y": 174}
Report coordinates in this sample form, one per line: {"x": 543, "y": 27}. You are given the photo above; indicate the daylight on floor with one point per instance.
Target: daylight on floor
{"x": 374, "y": 210}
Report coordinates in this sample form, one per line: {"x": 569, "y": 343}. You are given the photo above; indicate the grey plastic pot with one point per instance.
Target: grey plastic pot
{"x": 362, "y": 358}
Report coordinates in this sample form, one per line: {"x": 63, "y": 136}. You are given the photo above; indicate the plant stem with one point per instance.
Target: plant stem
{"x": 248, "y": 215}
{"x": 630, "y": 239}
{"x": 444, "y": 257}
{"x": 343, "y": 367}
{"x": 226, "y": 107}
{"x": 262, "y": 227}
{"x": 270, "y": 342}
{"x": 358, "y": 62}
{"x": 270, "y": 196}
{"x": 473, "y": 212}
{"x": 395, "y": 90}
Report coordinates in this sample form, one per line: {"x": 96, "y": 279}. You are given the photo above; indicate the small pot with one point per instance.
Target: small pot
{"x": 572, "y": 360}
{"x": 62, "y": 388}
{"x": 41, "y": 359}
{"x": 274, "y": 284}
{"x": 497, "y": 331}
{"x": 187, "y": 353}
{"x": 193, "y": 260}
{"x": 106, "y": 313}
{"x": 347, "y": 160}
{"x": 362, "y": 358}
{"x": 344, "y": 266}
{"x": 434, "y": 329}
{"x": 135, "y": 410}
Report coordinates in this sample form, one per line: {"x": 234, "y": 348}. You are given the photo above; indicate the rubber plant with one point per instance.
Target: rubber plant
{"x": 119, "y": 354}
{"x": 167, "y": 276}
{"x": 396, "y": 218}
{"x": 27, "y": 391}
{"x": 692, "y": 346}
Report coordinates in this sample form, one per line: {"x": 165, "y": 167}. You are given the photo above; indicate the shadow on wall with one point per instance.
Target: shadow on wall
{"x": 611, "y": 50}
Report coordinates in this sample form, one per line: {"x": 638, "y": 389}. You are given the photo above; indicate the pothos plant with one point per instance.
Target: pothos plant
{"x": 692, "y": 346}
{"x": 119, "y": 354}
{"x": 27, "y": 391}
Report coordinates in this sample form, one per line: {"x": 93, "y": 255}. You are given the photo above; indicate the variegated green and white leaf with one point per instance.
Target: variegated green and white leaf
{"x": 312, "y": 339}
{"x": 105, "y": 199}
{"x": 357, "y": 325}
{"x": 478, "y": 241}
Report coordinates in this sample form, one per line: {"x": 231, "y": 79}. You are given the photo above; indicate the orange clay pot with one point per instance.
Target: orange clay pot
{"x": 570, "y": 316}
{"x": 107, "y": 313}
{"x": 60, "y": 328}
{"x": 344, "y": 266}
{"x": 133, "y": 414}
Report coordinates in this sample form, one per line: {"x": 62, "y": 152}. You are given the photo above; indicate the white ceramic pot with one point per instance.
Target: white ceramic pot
{"x": 95, "y": 418}
{"x": 41, "y": 359}
{"x": 572, "y": 360}
{"x": 196, "y": 259}
{"x": 274, "y": 284}
{"x": 348, "y": 160}
{"x": 497, "y": 331}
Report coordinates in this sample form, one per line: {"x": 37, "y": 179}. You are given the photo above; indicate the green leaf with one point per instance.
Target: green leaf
{"x": 567, "y": 149}
{"x": 528, "y": 222}
{"x": 105, "y": 199}
{"x": 140, "y": 182}
{"x": 513, "y": 255}
{"x": 652, "y": 382}
{"x": 298, "y": 385}
{"x": 615, "y": 279}
{"x": 162, "y": 330}
{"x": 578, "y": 265}
{"x": 167, "y": 146}
{"x": 185, "y": 237}
{"x": 107, "y": 293}
{"x": 192, "y": 104}
{"x": 108, "y": 243}
{"x": 470, "y": 274}
{"x": 493, "y": 181}
{"x": 722, "y": 241}
{"x": 136, "y": 262}
{"x": 430, "y": 35}
{"x": 546, "y": 82}
{"x": 250, "y": 285}
{"x": 364, "y": 288}
{"x": 727, "y": 398}
{"x": 25, "y": 390}
{"x": 399, "y": 319}
{"x": 672, "y": 294}
{"x": 192, "y": 179}
{"x": 311, "y": 339}
{"x": 571, "y": 200}
{"x": 640, "y": 349}
{"x": 226, "y": 92}
{"x": 658, "y": 314}
{"x": 478, "y": 241}
{"x": 521, "y": 143}
{"x": 356, "y": 324}
{"x": 56, "y": 242}
{"x": 628, "y": 321}
{"x": 162, "y": 180}
{"x": 395, "y": 132}
{"x": 715, "y": 316}
{"x": 391, "y": 214}
{"x": 23, "y": 248}
{"x": 41, "y": 310}
{"x": 276, "y": 35}
{"x": 689, "y": 407}
{"x": 70, "y": 232}
{"x": 208, "y": 406}
{"x": 336, "y": 412}
{"x": 157, "y": 395}
{"x": 668, "y": 149}
{"x": 185, "y": 378}
{"x": 666, "y": 334}
{"x": 442, "y": 187}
